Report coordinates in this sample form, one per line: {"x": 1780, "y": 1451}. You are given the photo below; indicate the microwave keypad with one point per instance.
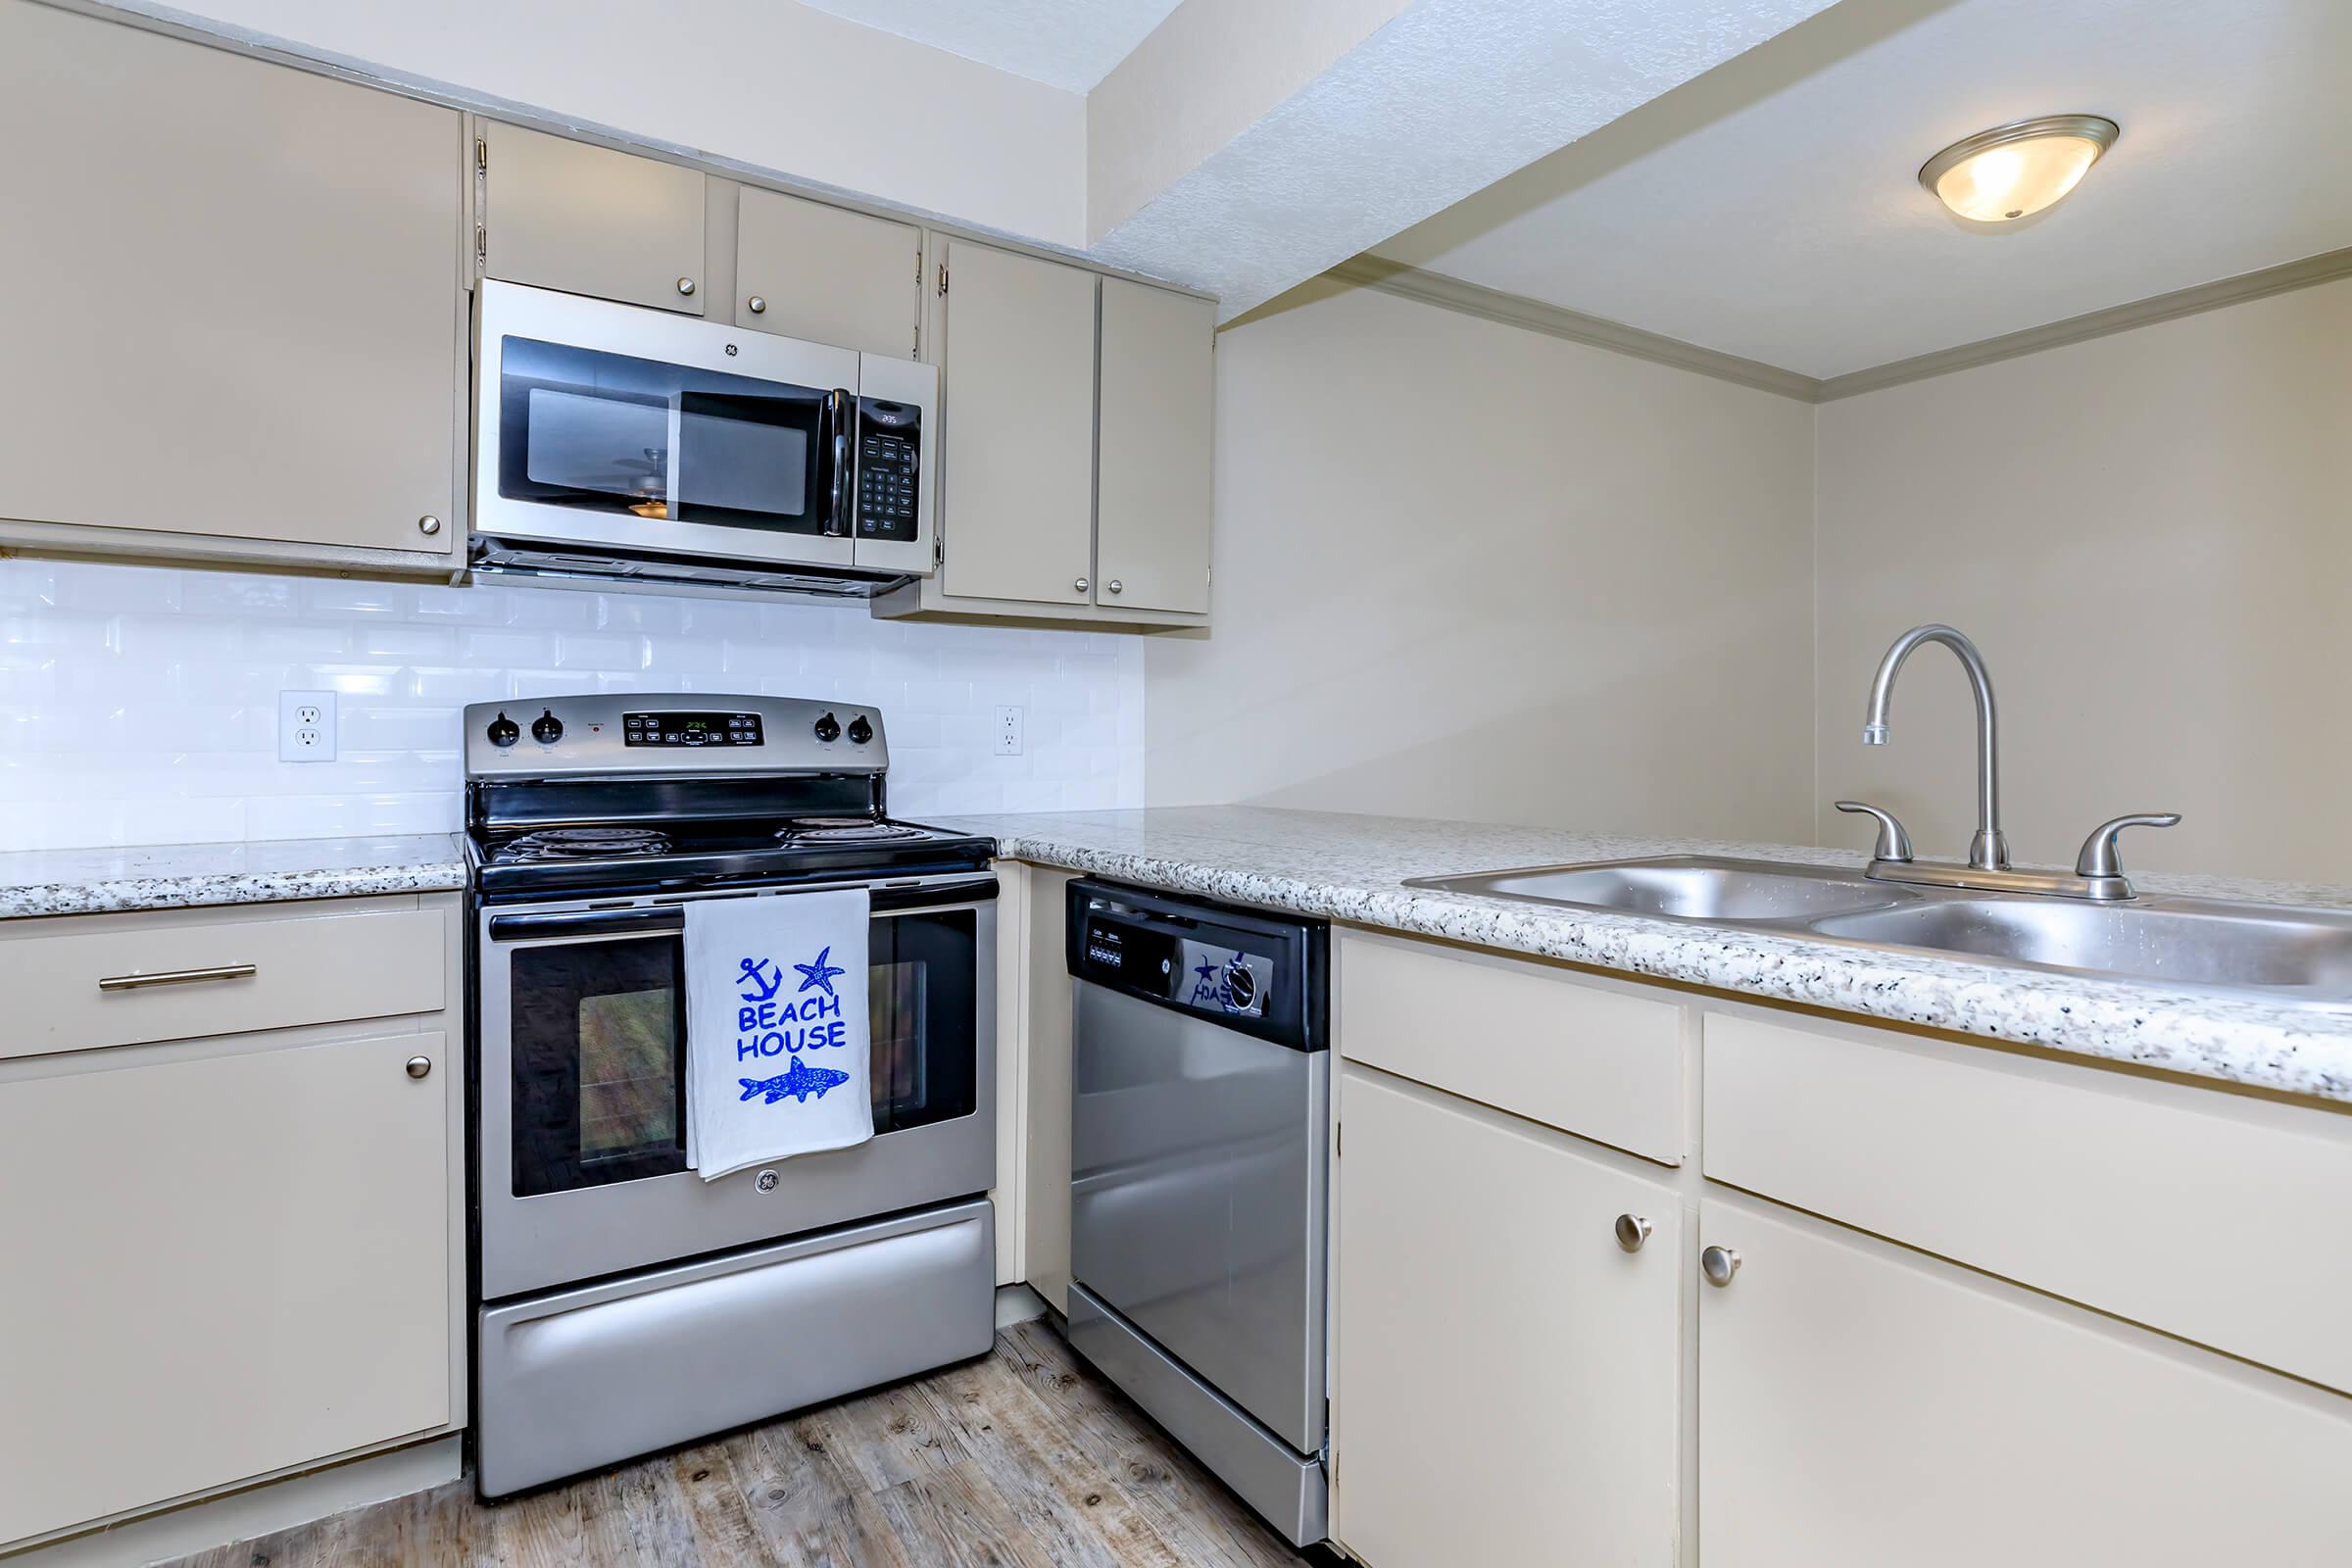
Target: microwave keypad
{"x": 886, "y": 486}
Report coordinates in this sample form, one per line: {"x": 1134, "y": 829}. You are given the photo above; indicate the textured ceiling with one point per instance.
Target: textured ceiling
{"x": 1446, "y": 99}
{"x": 1771, "y": 208}
{"x": 1070, "y": 44}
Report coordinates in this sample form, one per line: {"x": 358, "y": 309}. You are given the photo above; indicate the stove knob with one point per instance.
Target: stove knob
{"x": 827, "y": 728}
{"x": 546, "y": 728}
{"x": 860, "y": 730}
{"x": 504, "y": 731}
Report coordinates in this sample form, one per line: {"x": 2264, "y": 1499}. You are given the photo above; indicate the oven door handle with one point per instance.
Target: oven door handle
{"x": 586, "y": 923}
{"x": 899, "y": 900}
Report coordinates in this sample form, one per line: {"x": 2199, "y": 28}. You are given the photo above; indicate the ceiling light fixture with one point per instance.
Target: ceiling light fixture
{"x": 2017, "y": 169}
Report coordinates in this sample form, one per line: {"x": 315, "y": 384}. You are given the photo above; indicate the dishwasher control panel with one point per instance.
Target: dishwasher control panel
{"x": 1260, "y": 974}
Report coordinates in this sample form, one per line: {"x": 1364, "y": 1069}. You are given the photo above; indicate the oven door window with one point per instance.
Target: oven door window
{"x": 598, "y": 1064}
{"x": 921, "y": 1001}
{"x": 664, "y": 443}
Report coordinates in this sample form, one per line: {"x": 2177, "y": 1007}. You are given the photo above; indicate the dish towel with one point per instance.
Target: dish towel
{"x": 777, "y": 1047}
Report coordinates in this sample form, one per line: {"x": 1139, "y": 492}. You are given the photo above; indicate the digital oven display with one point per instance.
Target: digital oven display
{"x": 691, "y": 730}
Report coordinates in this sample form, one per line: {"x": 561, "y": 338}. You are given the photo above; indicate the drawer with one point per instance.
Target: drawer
{"x": 71, "y": 988}
{"x": 1596, "y": 1060}
{"x": 2204, "y": 1214}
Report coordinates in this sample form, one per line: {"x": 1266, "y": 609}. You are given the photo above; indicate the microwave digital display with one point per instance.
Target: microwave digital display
{"x": 690, "y": 729}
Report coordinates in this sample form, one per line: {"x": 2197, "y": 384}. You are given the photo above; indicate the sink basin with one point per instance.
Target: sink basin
{"x": 1688, "y": 887}
{"x": 2186, "y": 942}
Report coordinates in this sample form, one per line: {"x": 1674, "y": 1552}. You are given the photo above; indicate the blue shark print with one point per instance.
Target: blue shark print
{"x": 819, "y": 975}
{"x": 800, "y": 1081}
{"x": 762, "y": 988}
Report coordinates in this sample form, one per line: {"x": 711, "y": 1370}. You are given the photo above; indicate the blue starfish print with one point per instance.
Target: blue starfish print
{"x": 819, "y": 975}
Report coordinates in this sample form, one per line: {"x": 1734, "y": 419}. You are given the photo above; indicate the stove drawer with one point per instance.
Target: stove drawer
{"x": 576, "y": 1379}
{"x": 82, "y": 982}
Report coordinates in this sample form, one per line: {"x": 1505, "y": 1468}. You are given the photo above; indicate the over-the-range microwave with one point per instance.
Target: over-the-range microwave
{"x": 627, "y": 446}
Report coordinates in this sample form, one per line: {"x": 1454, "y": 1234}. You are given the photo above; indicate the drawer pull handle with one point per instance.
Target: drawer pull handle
{"x": 176, "y": 977}
{"x": 1718, "y": 1264}
{"x": 418, "y": 1066}
{"x": 1632, "y": 1231}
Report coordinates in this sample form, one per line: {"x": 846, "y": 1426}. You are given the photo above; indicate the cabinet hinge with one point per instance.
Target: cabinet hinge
{"x": 481, "y": 243}
{"x": 939, "y": 552}
{"x": 943, "y": 280}
{"x": 918, "y": 267}
{"x": 482, "y": 152}
{"x": 1338, "y": 1139}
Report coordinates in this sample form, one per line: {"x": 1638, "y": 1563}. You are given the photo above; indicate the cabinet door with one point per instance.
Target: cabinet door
{"x": 235, "y": 306}
{"x": 828, "y": 274}
{"x": 1862, "y": 1406}
{"x": 1018, "y": 467}
{"x": 1509, "y": 1376}
{"x": 565, "y": 215}
{"x": 217, "y": 1268}
{"x": 1153, "y": 537}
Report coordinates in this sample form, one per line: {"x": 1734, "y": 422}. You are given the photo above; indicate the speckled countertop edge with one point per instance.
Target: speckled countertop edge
{"x": 179, "y": 876}
{"x": 1352, "y": 869}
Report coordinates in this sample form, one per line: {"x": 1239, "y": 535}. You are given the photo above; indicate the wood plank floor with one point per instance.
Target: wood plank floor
{"x": 1024, "y": 1458}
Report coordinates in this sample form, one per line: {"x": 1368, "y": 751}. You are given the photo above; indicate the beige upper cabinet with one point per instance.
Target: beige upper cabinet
{"x": 1506, "y": 1375}
{"x": 218, "y": 1266}
{"x": 567, "y": 214}
{"x": 236, "y": 304}
{"x": 828, "y": 274}
{"x": 1860, "y": 1405}
{"x": 1154, "y": 504}
{"x": 1018, "y": 467}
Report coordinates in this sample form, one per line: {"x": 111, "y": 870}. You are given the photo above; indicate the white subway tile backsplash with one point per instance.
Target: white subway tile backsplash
{"x": 139, "y": 703}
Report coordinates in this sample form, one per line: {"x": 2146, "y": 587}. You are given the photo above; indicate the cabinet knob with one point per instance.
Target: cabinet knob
{"x": 1632, "y": 1231}
{"x": 1078, "y": 585}
{"x": 685, "y": 286}
{"x": 418, "y": 1066}
{"x": 428, "y": 523}
{"x": 758, "y": 306}
{"x": 1115, "y": 586}
{"x": 1718, "y": 1264}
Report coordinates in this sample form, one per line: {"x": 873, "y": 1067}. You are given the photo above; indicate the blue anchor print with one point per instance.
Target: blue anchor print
{"x": 762, "y": 988}
{"x": 800, "y": 1081}
{"x": 819, "y": 975}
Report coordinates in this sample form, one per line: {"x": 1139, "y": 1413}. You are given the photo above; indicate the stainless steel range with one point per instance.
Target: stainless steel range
{"x": 625, "y": 1303}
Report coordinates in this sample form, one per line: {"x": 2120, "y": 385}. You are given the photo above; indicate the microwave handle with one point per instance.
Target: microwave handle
{"x": 840, "y": 442}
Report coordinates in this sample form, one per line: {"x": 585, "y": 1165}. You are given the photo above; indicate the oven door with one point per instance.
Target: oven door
{"x": 603, "y": 425}
{"x": 581, "y": 1158}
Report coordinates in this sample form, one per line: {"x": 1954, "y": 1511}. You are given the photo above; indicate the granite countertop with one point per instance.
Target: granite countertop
{"x": 175, "y": 876}
{"x": 1349, "y": 868}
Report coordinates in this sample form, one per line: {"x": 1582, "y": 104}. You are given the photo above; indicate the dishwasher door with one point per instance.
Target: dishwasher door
{"x": 1198, "y": 1176}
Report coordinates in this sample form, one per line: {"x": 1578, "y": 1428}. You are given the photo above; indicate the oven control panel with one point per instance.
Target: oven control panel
{"x": 890, "y": 438}
{"x": 694, "y": 733}
{"x": 690, "y": 729}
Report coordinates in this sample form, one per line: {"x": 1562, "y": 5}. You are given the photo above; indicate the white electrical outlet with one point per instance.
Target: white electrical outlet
{"x": 1009, "y": 730}
{"x": 306, "y": 726}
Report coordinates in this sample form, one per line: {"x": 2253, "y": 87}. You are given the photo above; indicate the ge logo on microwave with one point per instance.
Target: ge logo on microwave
{"x": 730, "y": 351}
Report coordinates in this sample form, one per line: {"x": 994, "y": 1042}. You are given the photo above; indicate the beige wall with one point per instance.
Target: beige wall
{"x": 2150, "y": 537}
{"x": 1467, "y": 570}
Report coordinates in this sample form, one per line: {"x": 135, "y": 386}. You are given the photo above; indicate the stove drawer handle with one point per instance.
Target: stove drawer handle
{"x": 586, "y": 923}
{"x": 971, "y": 890}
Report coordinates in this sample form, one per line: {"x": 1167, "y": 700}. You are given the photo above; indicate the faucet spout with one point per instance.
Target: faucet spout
{"x": 1989, "y": 850}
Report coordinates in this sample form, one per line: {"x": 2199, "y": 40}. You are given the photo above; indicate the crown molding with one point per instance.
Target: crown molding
{"x": 1512, "y": 310}
{"x": 1553, "y": 320}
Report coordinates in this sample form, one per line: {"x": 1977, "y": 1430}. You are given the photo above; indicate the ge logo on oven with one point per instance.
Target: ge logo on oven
{"x": 768, "y": 1181}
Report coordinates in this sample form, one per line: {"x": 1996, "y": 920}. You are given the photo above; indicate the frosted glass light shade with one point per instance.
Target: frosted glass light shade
{"x": 2014, "y": 171}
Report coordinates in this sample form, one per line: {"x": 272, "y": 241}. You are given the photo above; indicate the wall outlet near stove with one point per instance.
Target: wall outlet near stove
{"x": 306, "y": 726}
{"x": 1009, "y": 731}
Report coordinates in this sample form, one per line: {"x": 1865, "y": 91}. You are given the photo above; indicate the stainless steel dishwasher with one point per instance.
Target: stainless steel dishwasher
{"x": 1200, "y": 1130}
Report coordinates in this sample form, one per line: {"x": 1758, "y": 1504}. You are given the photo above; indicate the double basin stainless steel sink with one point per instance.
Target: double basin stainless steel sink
{"x": 2282, "y": 954}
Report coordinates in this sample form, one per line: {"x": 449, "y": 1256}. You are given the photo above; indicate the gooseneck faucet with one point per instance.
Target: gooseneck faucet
{"x": 1988, "y": 851}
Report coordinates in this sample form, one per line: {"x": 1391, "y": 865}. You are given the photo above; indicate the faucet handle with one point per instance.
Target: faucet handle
{"x": 1893, "y": 843}
{"x": 2098, "y": 856}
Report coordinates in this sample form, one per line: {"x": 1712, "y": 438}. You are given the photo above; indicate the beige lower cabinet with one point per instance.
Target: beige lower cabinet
{"x": 217, "y": 1265}
{"x": 1508, "y": 1374}
{"x": 1860, "y": 1405}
